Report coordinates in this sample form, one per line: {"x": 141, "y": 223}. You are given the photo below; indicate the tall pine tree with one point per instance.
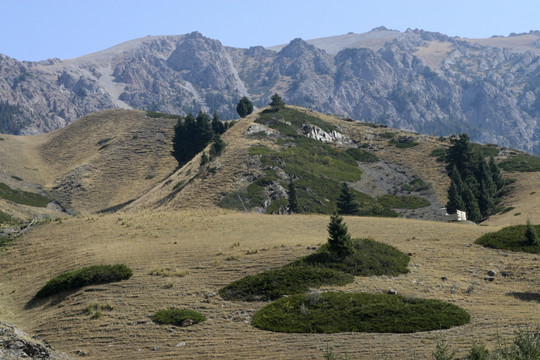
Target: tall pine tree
{"x": 340, "y": 243}
{"x": 346, "y": 202}
{"x": 293, "y": 199}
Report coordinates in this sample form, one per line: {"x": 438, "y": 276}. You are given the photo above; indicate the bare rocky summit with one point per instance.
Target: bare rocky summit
{"x": 414, "y": 80}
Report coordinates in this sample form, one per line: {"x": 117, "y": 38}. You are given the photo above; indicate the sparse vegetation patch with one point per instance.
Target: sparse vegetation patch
{"x": 22, "y": 197}
{"x": 521, "y": 163}
{"x": 96, "y": 274}
{"x": 179, "y": 317}
{"x": 362, "y": 155}
{"x": 359, "y": 312}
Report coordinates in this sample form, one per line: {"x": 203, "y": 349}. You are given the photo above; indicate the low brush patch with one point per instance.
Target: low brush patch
{"x": 90, "y": 275}
{"x": 22, "y": 197}
{"x": 273, "y": 284}
{"x": 370, "y": 258}
{"x": 510, "y": 238}
{"x": 321, "y": 268}
{"x": 521, "y": 163}
{"x": 332, "y": 312}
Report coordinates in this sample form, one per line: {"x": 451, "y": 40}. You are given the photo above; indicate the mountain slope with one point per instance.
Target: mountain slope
{"x": 415, "y": 80}
{"x": 100, "y": 161}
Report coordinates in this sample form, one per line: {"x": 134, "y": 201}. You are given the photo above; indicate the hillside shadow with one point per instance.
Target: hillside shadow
{"x": 526, "y": 296}
{"x": 47, "y": 301}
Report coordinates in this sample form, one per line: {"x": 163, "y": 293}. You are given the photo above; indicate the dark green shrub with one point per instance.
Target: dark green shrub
{"x": 369, "y": 258}
{"x": 510, "y": 238}
{"x": 359, "y": 312}
{"x": 387, "y": 135}
{"x": 176, "y": 316}
{"x": 362, "y": 155}
{"x": 90, "y": 275}
{"x": 273, "y": 284}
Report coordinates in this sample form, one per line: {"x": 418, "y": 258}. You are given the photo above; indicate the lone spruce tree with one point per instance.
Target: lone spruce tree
{"x": 244, "y": 107}
{"x": 293, "y": 199}
{"x": 277, "y": 103}
{"x": 346, "y": 202}
{"x": 530, "y": 235}
{"x": 340, "y": 243}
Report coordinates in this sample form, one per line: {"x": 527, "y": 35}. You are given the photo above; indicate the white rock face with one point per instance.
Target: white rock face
{"x": 319, "y": 134}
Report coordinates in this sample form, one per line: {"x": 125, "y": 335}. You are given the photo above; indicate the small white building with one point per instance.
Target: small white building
{"x": 458, "y": 216}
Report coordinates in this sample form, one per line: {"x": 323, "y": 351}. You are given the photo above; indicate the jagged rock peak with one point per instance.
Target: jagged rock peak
{"x": 297, "y": 48}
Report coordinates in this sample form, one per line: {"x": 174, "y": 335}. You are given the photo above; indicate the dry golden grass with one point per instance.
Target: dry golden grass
{"x": 217, "y": 247}
{"x": 99, "y": 161}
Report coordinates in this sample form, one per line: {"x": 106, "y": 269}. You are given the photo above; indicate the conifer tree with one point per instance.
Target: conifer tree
{"x": 217, "y": 147}
{"x": 217, "y": 125}
{"x": 530, "y": 235}
{"x": 496, "y": 173}
{"x": 293, "y": 199}
{"x": 471, "y": 205}
{"x": 455, "y": 201}
{"x": 244, "y": 107}
{"x": 277, "y": 103}
{"x": 340, "y": 243}
{"x": 346, "y": 202}
{"x": 204, "y": 159}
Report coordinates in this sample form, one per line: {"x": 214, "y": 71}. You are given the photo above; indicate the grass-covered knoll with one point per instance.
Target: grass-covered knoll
{"x": 359, "y": 312}
{"x": 90, "y": 275}
{"x": 403, "y": 201}
{"x": 175, "y": 316}
{"x": 318, "y": 169}
{"x": 521, "y": 163}
{"x": 334, "y": 263}
{"x": 275, "y": 283}
{"x": 362, "y": 155}
{"x": 369, "y": 258}
{"x": 22, "y": 197}
{"x": 510, "y": 238}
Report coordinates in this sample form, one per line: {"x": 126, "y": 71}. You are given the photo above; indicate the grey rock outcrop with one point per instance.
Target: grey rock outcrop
{"x": 16, "y": 344}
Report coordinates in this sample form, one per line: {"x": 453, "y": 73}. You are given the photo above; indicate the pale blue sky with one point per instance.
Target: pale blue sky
{"x": 41, "y": 29}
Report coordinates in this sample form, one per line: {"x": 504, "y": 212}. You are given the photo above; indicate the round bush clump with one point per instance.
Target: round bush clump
{"x": 178, "y": 317}
{"x": 90, "y": 275}
{"x": 370, "y": 258}
{"x": 359, "y": 312}
{"x": 273, "y": 284}
{"x": 511, "y": 238}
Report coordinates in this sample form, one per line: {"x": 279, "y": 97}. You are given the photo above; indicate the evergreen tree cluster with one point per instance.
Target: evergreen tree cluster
{"x": 192, "y": 135}
{"x": 8, "y": 118}
{"x": 475, "y": 184}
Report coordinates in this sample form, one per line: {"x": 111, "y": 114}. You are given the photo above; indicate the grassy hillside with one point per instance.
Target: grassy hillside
{"x": 100, "y": 161}
{"x": 213, "y": 248}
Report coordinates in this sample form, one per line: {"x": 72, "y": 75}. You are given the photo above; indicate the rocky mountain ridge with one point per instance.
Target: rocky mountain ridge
{"x": 416, "y": 80}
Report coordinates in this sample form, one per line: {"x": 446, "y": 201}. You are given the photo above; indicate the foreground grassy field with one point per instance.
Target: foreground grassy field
{"x": 181, "y": 259}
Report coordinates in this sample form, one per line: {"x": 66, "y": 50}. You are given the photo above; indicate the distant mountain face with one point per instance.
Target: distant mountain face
{"x": 415, "y": 80}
